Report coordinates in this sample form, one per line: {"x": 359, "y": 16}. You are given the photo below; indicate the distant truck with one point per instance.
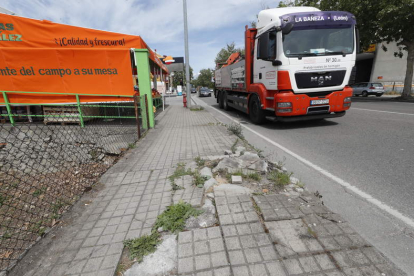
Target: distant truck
{"x": 297, "y": 66}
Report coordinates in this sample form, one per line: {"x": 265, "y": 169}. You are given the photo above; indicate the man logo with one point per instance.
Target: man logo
{"x": 321, "y": 80}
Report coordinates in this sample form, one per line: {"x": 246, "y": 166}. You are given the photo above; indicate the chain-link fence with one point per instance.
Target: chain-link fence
{"x": 50, "y": 157}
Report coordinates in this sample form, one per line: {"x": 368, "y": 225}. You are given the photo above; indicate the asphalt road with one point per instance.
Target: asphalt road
{"x": 370, "y": 148}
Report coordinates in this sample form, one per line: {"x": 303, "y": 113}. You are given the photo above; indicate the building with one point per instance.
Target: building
{"x": 377, "y": 65}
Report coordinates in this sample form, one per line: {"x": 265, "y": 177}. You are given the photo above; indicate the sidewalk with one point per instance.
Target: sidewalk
{"x": 257, "y": 235}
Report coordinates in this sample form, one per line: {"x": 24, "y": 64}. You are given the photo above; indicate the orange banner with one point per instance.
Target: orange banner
{"x": 23, "y": 32}
{"x": 77, "y": 71}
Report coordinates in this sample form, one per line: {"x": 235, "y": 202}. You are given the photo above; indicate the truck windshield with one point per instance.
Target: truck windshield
{"x": 319, "y": 42}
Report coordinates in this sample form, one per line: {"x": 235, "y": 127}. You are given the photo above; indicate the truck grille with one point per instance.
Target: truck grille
{"x": 318, "y": 109}
{"x": 319, "y": 79}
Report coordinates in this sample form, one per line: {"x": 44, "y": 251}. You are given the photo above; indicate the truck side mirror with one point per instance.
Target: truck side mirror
{"x": 287, "y": 28}
{"x": 263, "y": 42}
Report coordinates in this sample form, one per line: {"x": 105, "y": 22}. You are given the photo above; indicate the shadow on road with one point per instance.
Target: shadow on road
{"x": 245, "y": 120}
{"x": 380, "y": 99}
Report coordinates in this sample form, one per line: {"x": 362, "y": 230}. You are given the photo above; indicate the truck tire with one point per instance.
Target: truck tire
{"x": 257, "y": 114}
{"x": 225, "y": 104}
{"x": 220, "y": 99}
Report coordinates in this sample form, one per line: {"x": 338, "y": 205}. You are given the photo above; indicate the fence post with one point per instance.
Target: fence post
{"x": 137, "y": 116}
{"x": 146, "y": 110}
{"x": 80, "y": 111}
{"x": 144, "y": 80}
{"x": 9, "y": 113}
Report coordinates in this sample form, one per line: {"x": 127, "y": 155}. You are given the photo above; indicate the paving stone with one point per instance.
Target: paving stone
{"x": 236, "y": 257}
{"x": 185, "y": 265}
{"x": 292, "y": 237}
{"x": 202, "y": 262}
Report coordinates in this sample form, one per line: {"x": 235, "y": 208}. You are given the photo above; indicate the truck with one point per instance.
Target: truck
{"x": 297, "y": 65}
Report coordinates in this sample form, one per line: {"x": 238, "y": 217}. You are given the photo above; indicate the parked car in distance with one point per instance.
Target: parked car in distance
{"x": 193, "y": 90}
{"x": 368, "y": 88}
{"x": 204, "y": 92}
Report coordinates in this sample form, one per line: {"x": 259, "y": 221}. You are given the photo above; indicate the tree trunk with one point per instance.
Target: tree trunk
{"x": 408, "y": 82}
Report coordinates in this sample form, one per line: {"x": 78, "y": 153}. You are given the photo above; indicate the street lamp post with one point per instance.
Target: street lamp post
{"x": 187, "y": 60}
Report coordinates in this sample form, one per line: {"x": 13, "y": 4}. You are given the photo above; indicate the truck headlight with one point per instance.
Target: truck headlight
{"x": 347, "y": 100}
{"x": 284, "y": 104}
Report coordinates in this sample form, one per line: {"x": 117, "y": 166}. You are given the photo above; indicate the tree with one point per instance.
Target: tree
{"x": 179, "y": 77}
{"x": 378, "y": 21}
{"x": 204, "y": 79}
{"x": 225, "y": 53}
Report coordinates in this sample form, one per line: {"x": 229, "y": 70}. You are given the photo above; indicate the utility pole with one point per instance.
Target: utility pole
{"x": 187, "y": 59}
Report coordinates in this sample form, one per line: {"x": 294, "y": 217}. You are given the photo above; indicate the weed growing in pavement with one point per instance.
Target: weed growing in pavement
{"x": 300, "y": 184}
{"x": 140, "y": 247}
{"x": 132, "y": 146}
{"x": 236, "y": 129}
{"x": 233, "y": 147}
{"x": 254, "y": 176}
{"x": 199, "y": 180}
{"x": 200, "y": 162}
{"x": 173, "y": 219}
{"x": 250, "y": 176}
{"x": 179, "y": 171}
{"x": 197, "y": 108}
{"x": 279, "y": 178}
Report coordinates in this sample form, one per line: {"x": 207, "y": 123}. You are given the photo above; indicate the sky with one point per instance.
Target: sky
{"x": 211, "y": 23}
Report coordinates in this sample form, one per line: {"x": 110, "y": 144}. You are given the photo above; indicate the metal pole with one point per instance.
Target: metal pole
{"x": 136, "y": 99}
{"x": 187, "y": 59}
{"x": 9, "y": 111}
{"x": 80, "y": 111}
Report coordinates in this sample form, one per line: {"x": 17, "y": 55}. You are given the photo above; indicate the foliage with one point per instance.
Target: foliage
{"x": 179, "y": 76}
{"x": 200, "y": 161}
{"x": 204, "y": 79}
{"x": 179, "y": 171}
{"x": 236, "y": 129}
{"x": 173, "y": 219}
{"x": 197, "y": 108}
{"x": 279, "y": 178}
{"x": 140, "y": 247}
{"x": 226, "y": 52}
{"x": 199, "y": 180}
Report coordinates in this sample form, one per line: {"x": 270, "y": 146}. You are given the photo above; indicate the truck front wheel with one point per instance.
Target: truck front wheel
{"x": 257, "y": 115}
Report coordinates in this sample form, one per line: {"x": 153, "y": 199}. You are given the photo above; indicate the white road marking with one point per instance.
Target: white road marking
{"x": 338, "y": 180}
{"x": 382, "y": 111}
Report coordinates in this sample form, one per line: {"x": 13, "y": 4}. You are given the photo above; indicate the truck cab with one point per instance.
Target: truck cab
{"x": 298, "y": 63}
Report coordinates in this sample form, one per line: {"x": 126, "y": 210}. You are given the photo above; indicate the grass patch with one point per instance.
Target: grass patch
{"x": 200, "y": 161}
{"x": 199, "y": 180}
{"x": 279, "y": 178}
{"x": 179, "y": 171}
{"x": 140, "y": 247}
{"x": 197, "y": 108}
{"x": 173, "y": 219}
{"x": 132, "y": 146}
{"x": 251, "y": 176}
{"x": 236, "y": 129}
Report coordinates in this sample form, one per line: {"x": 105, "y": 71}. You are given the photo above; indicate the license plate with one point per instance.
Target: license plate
{"x": 316, "y": 102}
